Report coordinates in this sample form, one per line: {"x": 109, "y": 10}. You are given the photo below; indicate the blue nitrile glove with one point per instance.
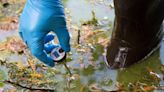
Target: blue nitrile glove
{"x": 39, "y": 17}
{"x": 48, "y": 43}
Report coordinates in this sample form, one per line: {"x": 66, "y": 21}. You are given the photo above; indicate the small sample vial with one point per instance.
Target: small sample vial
{"x": 58, "y": 54}
{"x": 54, "y": 50}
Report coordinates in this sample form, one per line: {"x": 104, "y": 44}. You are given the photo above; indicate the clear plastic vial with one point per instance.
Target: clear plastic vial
{"x": 54, "y": 50}
{"x": 58, "y": 54}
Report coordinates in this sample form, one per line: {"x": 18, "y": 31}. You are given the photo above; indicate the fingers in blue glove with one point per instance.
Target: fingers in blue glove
{"x": 36, "y": 21}
{"x": 48, "y": 38}
{"x": 49, "y": 47}
{"x": 64, "y": 38}
{"x": 60, "y": 28}
{"x": 21, "y": 35}
{"x": 35, "y": 41}
{"x": 37, "y": 49}
{"x": 48, "y": 43}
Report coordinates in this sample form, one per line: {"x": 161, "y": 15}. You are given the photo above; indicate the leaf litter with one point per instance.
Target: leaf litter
{"x": 36, "y": 75}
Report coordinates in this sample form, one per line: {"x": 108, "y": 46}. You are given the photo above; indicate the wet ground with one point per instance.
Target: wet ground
{"x": 85, "y": 61}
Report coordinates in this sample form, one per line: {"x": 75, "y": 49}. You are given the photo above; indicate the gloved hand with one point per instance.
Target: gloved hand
{"x": 38, "y": 18}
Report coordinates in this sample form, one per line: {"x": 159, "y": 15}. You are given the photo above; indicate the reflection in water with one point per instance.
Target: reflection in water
{"x": 80, "y": 10}
{"x": 162, "y": 52}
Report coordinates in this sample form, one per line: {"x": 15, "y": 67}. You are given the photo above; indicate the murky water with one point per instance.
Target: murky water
{"x": 93, "y": 71}
{"x": 132, "y": 74}
{"x": 81, "y": 10}
{"x": 5, "y": 34}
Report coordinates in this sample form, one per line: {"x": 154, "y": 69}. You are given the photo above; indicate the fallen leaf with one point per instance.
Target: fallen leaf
{"x": 20, "y": 65}
{"x": 10, "y": 23}
{"x": 104, "y": 42}
{"x": 149, "y": 88}
{"x": 15, "y": 45}
{"x": 95, "y": 88}
{"x": 32, "y": 64}
{"x": 36, "y": 75}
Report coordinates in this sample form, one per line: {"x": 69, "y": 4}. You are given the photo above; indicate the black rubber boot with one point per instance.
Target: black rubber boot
{"x": 137, "y": 31}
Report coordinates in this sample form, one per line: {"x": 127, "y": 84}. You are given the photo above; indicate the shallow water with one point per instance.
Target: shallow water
{"x": 80, "y": 10}
{"x": 93, "y": 71}
{"x": 6, "y": 34}
{"x": 162, "y": 52}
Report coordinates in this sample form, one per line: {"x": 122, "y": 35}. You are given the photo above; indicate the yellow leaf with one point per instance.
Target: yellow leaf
{"x": 32, "y": 64}
{"x": 36, "y": 75}
{"x": 20, "y": 65}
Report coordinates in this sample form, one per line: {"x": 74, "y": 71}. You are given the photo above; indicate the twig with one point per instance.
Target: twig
{"x": 67, "y": 68}
{"x": 30, "y": 88}
{"x": 70, "y": 75}
{"x": 78, "y": 37}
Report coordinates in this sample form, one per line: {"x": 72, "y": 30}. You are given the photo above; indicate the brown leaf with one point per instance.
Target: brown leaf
{"x": 15, "y": 45}
{"x": 103, "y": 41}
{"x": 10, "y": 23}
{"x": 148, "y": 88}
{"x": 95, "y": 88}
{"x": 36, "y": 75}
{"x": 32, "y": 64}
{"x": 20, "y": 65}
